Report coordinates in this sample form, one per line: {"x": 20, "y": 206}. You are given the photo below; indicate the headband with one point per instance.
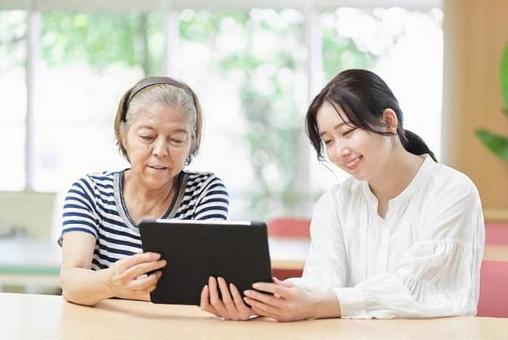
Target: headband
{"x": 146, "y": 82}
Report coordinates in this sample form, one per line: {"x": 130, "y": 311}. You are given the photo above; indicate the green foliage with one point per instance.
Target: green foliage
{"x": 341, "y": 53}
{"x": 274, "y": 123}
{"x": 103, "y": 39}
{"x": 13, "y": 28}
{"x": 496, "y": 143}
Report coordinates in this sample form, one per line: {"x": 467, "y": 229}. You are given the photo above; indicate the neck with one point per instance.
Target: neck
{"x": 143, "y": 202}
{"x": 395, "y": 175}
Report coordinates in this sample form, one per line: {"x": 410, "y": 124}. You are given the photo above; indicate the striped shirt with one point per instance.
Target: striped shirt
{"x": 95, "y": 205}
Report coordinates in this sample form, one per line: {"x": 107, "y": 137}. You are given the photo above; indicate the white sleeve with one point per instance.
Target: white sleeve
{"x": 439, "y": 275}
{"x": 325, "y": 265}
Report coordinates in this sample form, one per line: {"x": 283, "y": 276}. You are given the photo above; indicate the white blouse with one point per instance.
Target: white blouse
{"x": 422, "y": 260}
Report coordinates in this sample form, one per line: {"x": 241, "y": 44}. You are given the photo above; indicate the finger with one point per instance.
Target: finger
{"x": 262, "y": 308}
{"x": 264, "y": 314}
{"x": 133, "y": 260}
{"x": 226, "y": 298}
{"x": 144, "y": 282}
{"x": 140, "y": 269}
{"x": 204, "y": 302}
{"x": 215, "y": 300}
{"x": 265, "y": 298}
{"x": 245, "y": 312}
{"x": 273, "y": 288}
{"x": 282, "y": 283}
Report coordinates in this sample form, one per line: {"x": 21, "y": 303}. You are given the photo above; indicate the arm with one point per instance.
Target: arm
{"x": 124, "y": 279}
{"x": 79, "y": 283}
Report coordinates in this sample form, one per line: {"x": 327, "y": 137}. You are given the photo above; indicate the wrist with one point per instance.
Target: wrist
{"x": 326, "y": 305}
{"x": 106, "y": 280}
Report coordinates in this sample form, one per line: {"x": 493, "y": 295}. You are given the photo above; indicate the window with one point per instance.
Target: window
{"x": 13, "y": 36}
{"x": 87, "y": 62}
{"x": 254, "y": 70}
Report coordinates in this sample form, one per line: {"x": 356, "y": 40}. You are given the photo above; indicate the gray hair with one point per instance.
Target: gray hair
{"x": 171, "y": 93}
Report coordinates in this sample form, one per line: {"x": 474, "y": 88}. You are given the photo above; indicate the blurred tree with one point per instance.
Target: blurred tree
{"x": 269, "y": 62}
{"x": 13, "y": 28}
{"x": 103, "y": 39}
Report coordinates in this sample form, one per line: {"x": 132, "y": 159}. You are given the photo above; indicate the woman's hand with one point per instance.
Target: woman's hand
{"x": 289, "y": 303}
{"x": 230, "y": 307}
{"x": 128, "y": 278}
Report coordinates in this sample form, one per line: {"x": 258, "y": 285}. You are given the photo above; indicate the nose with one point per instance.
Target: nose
{"x": 339, "y": 151}
{"x": 160, "y": 147}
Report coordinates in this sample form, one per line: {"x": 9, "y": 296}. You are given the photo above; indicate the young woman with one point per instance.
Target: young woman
{"x": 403, "y": 237}
{"x": 158, "y": 130}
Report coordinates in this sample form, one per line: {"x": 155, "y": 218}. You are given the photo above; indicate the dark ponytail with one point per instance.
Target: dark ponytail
{"x": 415, "y": 144}
{"x": 363, "y": 96}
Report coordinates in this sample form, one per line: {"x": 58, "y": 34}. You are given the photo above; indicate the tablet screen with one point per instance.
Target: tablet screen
{"x": 196, "y": 250}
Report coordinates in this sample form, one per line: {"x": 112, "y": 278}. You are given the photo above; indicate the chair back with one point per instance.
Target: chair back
{"x": 285, "y": 227}
{"x": 493, "y": 289}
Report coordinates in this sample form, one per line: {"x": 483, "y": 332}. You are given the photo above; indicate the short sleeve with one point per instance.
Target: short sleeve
{"x": 213, "y": 202}
{"x": 79, "y": 211}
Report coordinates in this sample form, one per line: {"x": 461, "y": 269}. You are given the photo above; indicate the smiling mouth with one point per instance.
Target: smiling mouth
{"x": 156, "y": 167}
{"x": 352, "y": 164}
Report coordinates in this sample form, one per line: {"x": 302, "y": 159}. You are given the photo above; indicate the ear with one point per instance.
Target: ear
{"x": 390, "y": 120}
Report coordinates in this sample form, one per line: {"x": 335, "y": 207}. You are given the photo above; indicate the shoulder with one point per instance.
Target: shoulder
{"x": 95, "y": 183}
{"x": 339, "y": 194}
{"x": 203, "y": 181}
{"x": 448, "y": 183}
{"x": 344, "y": 191}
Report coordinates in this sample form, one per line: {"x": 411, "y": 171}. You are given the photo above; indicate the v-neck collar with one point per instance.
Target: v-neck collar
{"x": 122, "y": 207}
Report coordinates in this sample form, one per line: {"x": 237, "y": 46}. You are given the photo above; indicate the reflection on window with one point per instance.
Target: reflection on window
{"x": 13, "y": 32}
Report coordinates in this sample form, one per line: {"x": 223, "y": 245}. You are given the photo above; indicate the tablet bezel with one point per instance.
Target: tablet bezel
{"x": 196, "y": 250}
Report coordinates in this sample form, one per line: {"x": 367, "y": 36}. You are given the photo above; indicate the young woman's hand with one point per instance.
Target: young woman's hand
{"x": 289, "y": 303}
{"x": 128, "y": 278}
{"x": 230, "y": 307}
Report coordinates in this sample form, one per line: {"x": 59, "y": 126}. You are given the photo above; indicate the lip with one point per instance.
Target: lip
{"x": 158, "y": 167}
{"x": 352, "y": 164}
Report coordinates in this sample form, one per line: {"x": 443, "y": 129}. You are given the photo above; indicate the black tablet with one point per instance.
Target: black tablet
{"x": 196, "y": 250}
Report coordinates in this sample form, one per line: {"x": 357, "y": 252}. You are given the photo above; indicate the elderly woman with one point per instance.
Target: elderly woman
{"x": 158, "y": 130}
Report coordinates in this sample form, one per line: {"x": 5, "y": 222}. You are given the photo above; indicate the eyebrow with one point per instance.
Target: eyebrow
{"x": 178, "y": 130}
{"x": 335, "y": 128}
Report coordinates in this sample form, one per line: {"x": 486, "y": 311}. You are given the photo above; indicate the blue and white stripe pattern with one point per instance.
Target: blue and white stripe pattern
{"x": 94, "y": 205}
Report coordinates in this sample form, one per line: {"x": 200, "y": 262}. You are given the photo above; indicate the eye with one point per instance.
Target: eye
{"x": 328, "y": 141}
{"x": 348, "y": 132}
{"x": 177, "y": 141}
{"x": 146, "y": 137}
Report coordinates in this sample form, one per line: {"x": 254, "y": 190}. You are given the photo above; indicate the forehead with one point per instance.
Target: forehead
{"x": 330, "y": 115}
{"x": 159, "y": 116}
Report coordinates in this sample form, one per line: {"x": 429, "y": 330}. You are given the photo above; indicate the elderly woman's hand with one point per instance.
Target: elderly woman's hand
{"x": 128, "y": 278}
{"x": 230, "y": 306}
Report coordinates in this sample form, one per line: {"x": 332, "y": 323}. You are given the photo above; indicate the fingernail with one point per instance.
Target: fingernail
{"x": 256, "y": 285}
{"x": 247, "y": 292}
